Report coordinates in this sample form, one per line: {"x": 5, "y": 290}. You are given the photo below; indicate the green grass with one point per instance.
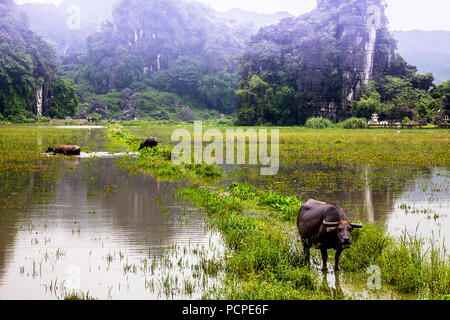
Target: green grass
{"x": 157, "y": 161}
{"x": 78, "y": 296}
{"x": 264, "y": 258}
{"x": 259, "y": 226}
{"x": 336, "y": 147}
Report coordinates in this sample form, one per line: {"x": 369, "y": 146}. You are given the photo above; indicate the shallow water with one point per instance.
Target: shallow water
{"x": 418, "y": 203}
{"x": 104, "y": 232}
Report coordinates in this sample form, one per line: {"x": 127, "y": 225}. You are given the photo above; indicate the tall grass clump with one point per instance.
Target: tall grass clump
{"x": 354, "y": 123}
{"x": 242, "y": 191}
{"x": 78, "y": 296}
{"x": 318, "y": 123}
{"x": 124, "y": 138}
{"x": 406, "y": 263}
{"x": 368, "y": 245}
{"x": 287, "y": 207}
{"x": 411, "y": 266}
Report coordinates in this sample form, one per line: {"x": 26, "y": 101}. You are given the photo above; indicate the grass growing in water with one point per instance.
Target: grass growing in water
{"x": 157, "y": 161}
{"x": 264, "y": 257}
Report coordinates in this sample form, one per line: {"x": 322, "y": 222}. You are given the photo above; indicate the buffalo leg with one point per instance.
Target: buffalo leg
{"x": 324, "y": 259}
{"x": 306, "y": 254}
{"x": 337, "y": 257}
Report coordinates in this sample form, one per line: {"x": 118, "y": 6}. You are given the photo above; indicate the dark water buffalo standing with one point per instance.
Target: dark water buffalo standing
{"x": 65, "y": 150}
{"x": 151, "y": 142}
{"x": 324, "y": 226}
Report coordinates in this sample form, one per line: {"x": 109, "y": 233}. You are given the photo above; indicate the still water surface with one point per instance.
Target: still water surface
{"x": 105, "y": 232}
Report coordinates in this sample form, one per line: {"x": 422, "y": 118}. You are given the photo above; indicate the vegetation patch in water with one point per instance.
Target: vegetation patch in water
{"x": 264, "y": 257}
{"x": 157, "y": 161}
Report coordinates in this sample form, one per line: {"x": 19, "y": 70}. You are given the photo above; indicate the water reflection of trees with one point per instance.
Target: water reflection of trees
{"x": 133, "y": 205}
{"x": 365, "y": 193}
{"x": 16, "y": 207}
{"x": 106, "y": 201}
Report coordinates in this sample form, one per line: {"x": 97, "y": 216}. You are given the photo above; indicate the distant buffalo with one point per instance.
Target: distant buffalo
{"x": 324, "y": 226}
{"x": 65, "y": 150}
{"x": 151, "y": 142}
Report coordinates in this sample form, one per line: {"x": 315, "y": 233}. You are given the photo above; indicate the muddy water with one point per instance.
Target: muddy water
{"x": 103, "y": 232}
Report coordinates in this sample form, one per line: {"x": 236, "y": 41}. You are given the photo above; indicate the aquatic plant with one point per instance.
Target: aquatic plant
{"x": 76, "y": 295}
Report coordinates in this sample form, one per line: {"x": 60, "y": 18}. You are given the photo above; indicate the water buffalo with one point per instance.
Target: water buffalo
{"x": 65, "y": 150}
{"x": 324, "y": 226}
{"x": 151, "y": 142}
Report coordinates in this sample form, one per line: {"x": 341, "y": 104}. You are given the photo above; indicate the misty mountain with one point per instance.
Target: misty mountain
{"x": 67, "y": 25}
{"x": 28, "y": 85}
{"x": 57, "y": 24}
{"x": 254, "y": 20}
{"x": 153, "y": 58}
{"x": 428, "y": 50}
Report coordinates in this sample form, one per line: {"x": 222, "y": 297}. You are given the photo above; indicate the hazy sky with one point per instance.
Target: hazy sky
{"x": 403, "y": 14}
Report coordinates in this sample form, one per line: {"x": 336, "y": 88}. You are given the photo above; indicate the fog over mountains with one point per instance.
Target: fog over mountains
{"x": 428, "y": 50}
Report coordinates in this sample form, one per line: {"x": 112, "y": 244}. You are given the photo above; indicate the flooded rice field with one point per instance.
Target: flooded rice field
{"x": 102, "y": 232}
{"x": 409, "y": 201}
{"x": 82, "y": 225}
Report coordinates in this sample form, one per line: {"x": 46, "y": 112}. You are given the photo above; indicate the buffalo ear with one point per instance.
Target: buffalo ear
{"x": 330, "y": 229}
{"x": 356, "y": 225}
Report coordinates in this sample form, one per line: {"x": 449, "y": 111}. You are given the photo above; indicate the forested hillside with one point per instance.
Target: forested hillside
{"x": 336, "y": 62}
{"x": 171, "y": 59}
{"x": 27, "y": 72}
{"x": 160, "y": 46}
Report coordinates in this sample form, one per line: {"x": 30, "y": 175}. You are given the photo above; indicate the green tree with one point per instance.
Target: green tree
{"x": 218, "y": 91}
{"x": 129, "y": 71}
{"x": 64, "y": 99}
{"x": 282, "y": 107}
{"x": 367, "y": 105}
{"x": 182, "y": 77}
{"x": 253, "y": 99}
{"x": 442, "y": 93}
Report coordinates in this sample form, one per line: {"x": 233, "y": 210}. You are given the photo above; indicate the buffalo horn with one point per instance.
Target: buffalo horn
{"x": 356, "y": 225}
{"x": 330, "y": 224}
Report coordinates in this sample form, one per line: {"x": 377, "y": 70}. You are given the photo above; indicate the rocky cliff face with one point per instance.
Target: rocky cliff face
{"x": 367, "y": 45}
{"x": 160, "y": 31}
{"x": 147, "y": 36}
{"x": 328, "y": 53}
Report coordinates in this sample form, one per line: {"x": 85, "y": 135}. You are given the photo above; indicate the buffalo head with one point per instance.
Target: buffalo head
{"x": 344, "y": 229}
{"x": 50, "y": 149}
